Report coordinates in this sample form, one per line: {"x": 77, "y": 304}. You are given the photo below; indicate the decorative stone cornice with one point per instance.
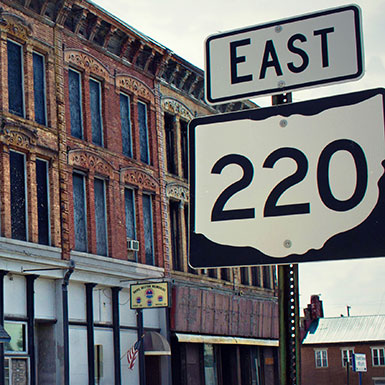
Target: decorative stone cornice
{"x": 139, "y": 178}
{"x": 90, "y": 161}
{"x": 86, "y": 62}
{"x": 178, "y": 192}
{"x": 135, "y": 86}
{"x": 16, "y": 26}
{"x": 19, "y": 136}
{"x": 175, "y": 107}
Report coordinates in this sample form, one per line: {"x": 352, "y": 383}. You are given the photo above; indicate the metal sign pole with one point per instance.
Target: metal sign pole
{"x": 288, "y": 302}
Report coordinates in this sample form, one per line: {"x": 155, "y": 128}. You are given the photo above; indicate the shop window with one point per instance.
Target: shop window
{"x": 210, "y": 364}
{"x": 143, "y": 133}
{"x": 18, "y": 196}
{"x": 347, "y": 356}
{"x": 15, "y": 78}
{"x": 18, "y": 333}
{"x": 175, "y": 236}
{"x": 170, "y": 143}
{"x": 148, "y": 229}
{"x": 39, "y": 88}
{"x": 75, "y": 101}
{"x": 184, "y": 147}
{"x": 321, "y": 358}
{"x": 100, "y": 217}
{"x": 96, "y": 112}
{"x": 80, "y": 212}
{"x": 42, "y": 185}
{"x": 255, "y": 276}
{"x": 378, "y": 356}
{"x": 98, "y": 364}
{"x": 125, "y": 120}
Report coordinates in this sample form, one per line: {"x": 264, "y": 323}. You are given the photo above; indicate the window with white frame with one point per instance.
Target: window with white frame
{"x": 347, "y": 356}
{"x": 75, "y": 103}
{"x": 80, "y": 212}
{"x": 378, "y": 356}
{"x": 125, "y": 121}
{"x": 321, "y": 358}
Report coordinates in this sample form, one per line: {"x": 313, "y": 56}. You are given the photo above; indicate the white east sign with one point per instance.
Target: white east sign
{"x": 296, "y": 53}
{"x": 288, "y": 184}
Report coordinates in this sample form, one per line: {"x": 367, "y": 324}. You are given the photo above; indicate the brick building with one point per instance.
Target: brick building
{"x": 329, "y": 344}
{"x": 94, "y": 195}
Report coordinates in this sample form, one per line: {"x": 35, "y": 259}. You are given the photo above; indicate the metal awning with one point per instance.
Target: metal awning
{"x": 155, "y": 344}
{"x": 204, "y": 339}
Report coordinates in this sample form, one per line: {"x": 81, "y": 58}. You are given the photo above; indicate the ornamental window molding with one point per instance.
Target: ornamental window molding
{"x": 90, "y": 161}
{"x": 86, "y": 62}
{"x": 139, "y": 178}
{"x": 15, "y": 25}
{"x": 175, "y": 107}
{"x": 18, "y": 136}
{"x": 178, "y": 192}
{"x": 134, "y": 86}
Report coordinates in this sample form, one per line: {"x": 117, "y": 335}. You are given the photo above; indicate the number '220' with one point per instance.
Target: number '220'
{"x": 271, "y": 208}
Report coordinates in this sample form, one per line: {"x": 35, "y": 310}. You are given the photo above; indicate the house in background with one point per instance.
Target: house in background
{"x": 329, "y": 343}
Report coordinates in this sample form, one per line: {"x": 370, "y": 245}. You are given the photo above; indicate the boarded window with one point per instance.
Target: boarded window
{"x": 170, "y": 143}
{"x": 130, "y": 213}
{"x": 80, "y": 218}
{"x": 15, "y": 79}
{"x": 125, "y": 119}
{"x": 18, "y": 196}
{"x": 39, "y": 88}
{"x": 75, "y": 98}
{"x": 96, "y": 112}
{"x": 100, "y": 217}
{"x": 148, "y": 229}
{"x": 42, "y": 201}
{"x": 143, "y": 133}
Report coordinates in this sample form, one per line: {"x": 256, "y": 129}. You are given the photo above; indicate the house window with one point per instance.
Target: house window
{"x": 175, "y": 236}
{"x": 96, "y": 112}
{"x": 125, "y": 119}
{"x": 321, "y": 359}
{"x": 184, "y": 147}
{"x": 18, "y": 196}
{"x": 255, "y": 276}
{"x": 15, "y": 79}
{"x": 378, "y": 356}
{"x": 39, "y": 88}
{"x": 143, "y": 133}
{"x": 170, "y": 143}
{"x": 42, "y": 186}
{"x": 225, "y": 274}
{"x": 347, "y": 356}
{"x": 148, "y": 229}
{"x": 75, "y": 99}
{"x": 244, "y": 275}
{"x": 266, "y": 277}
{"x": 100, "y": 217}
{"x": 80, "y": 212}
{"x": 130, "y": 217}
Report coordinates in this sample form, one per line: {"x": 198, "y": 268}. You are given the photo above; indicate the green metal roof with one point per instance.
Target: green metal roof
{"x": 346, "y": 329}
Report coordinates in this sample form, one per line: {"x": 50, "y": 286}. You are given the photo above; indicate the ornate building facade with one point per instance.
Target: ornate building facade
{"x": 94, "y": 196}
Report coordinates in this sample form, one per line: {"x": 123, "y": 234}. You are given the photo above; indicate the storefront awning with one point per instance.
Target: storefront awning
{"x": 204, "y": 339}
{"x": 155, "y": 345}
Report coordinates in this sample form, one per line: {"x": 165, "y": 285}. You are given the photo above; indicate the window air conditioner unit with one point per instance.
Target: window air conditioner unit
{"x": 132, "y": 245}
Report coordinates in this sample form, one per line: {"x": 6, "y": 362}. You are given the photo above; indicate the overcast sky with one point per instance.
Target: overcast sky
{"x": 183, "y": 26}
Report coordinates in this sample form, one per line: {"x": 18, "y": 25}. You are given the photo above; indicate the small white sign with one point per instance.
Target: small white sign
{"x": 301, "y": 52}
{"x": 289, "y": 184}
{"x": 359, "y": 362}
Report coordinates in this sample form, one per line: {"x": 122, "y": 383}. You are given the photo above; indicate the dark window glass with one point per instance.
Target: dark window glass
{"x": 170, "y": 144}
{"x": 225, "y": 274}
{"x": 80, "y": 218}
{"x": 42, "y": 201}
{"x": 96, "y": 112}
{"x": 143, "y": 133}
{"x": 130, "y": 213}
{"x": 15, "y": 79}
{"x": 39, "y": 88}
{"x": 266, "y": 277}
{"x": 125, "y": 119}
{"x": 184, "y": 147}
{"x": 148, "y": 229}
{"x": 75, "y": 96}
{"x": 255, "y": 276}
{"x": 175, "y": 235}
{"x": 18, "y": 196}
{"x": 100, "y": 217}
{"x": 244, "y": 275}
